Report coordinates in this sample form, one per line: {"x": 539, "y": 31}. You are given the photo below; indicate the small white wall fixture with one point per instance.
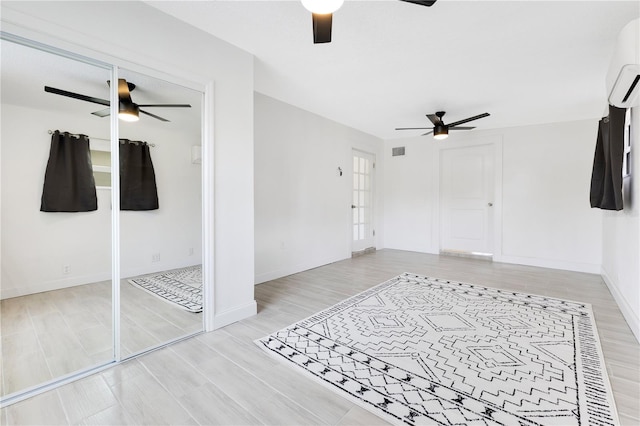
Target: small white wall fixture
{"x": 196, "y": 154}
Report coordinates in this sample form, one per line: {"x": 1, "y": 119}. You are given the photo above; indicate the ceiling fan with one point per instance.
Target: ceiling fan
{"x": 127, "y": 109}
{"x": 322, "y": 14}
{"x": 440, "y": 130}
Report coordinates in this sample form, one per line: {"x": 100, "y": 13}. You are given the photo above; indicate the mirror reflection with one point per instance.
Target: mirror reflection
{"x": 56, "y": 308}
{"x": 56, "y": 288}
{"x": 160, "y": 218}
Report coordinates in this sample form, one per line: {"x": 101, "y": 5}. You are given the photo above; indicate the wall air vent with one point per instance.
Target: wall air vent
{"x": 399, "y": 150}
{"x": 626, "y": 88}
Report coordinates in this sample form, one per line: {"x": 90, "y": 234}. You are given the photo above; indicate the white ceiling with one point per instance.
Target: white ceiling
{"x": 390, "y": 63}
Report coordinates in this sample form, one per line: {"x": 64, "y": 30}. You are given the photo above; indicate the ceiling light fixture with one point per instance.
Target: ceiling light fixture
{"x": 128, "y": 112}
{"x": 322, "y": 6}
{"x": 440, "y": 132}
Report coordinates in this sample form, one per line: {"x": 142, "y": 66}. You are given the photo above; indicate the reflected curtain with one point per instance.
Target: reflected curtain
{"x": 138, "y": 190}
{"x": 68, "y": 180}
{"x": 606, "y": 178}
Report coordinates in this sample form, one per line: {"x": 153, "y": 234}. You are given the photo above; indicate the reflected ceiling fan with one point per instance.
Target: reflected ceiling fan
{"x": 440, "y": 130}
{"x": 127, "y": 109}
{"x": 322, "y": 14}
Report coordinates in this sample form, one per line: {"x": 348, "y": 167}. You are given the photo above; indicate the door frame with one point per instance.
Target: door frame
{"x": 372, "y": 190}
{"x": 460, "y": 143}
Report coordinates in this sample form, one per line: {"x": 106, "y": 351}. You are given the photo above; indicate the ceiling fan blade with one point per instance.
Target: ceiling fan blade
{"x": 428, "y": 133}
{"x": 322, "y": 27}
{"x": 76, "y": 96}
{"x": 434, "y": 119}
{"x": 412, "y": 128}
{"x": 460, "y": 128}
{"x": 466, "y": 120}
{"x": 164, "y": 105}
{"x": 102, "y": 112}
{"x": 427, "y": 3}
{"x": 123, "y": 91}
{"x": 154, "y": 116}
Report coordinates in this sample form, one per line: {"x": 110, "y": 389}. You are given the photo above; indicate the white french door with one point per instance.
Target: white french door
{"x": 466, "y": 199}
{"x": 362, "y": 202}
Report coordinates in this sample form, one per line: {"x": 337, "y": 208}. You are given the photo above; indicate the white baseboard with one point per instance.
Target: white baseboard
{"x": 279, "y": 273}
{"x": 550, "y": 263}
{"x": 234, "y": 315}
{"x": 415, "y": 249}
{"x": 627, "y": 311}
{"x": 7, "y": 293}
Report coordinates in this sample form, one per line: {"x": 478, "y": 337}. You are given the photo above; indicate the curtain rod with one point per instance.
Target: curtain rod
{"x": 101, "y": 139}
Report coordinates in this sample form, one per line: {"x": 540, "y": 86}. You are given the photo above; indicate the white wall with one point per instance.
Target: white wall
{"x": 546, "y": 172}
{"x": 410, "y": 195}
{"x": 163, "y": 43}
{"x": 621, "y": 240}
{"x": 547, "y": 219}
{"x": 621, "y": 229}
{"x": 302, "y": 205}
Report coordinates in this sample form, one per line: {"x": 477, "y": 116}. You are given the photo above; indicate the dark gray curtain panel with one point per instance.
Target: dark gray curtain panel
{"x": 606, "y": 178}
{"x": 138, "y": 190}
{"x": 68, "y": 180}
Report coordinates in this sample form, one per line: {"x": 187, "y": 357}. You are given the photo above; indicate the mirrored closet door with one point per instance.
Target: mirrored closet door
{"x": 55, "y": 256}
{"x": 62, "y": 312}
{"x": 160, "y": 214}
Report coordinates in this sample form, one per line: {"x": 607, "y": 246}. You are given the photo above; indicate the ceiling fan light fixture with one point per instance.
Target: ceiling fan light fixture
{"x": 440, "y": 132}
{"x": 128, "y": 112}
{"x": 322, "y": 6}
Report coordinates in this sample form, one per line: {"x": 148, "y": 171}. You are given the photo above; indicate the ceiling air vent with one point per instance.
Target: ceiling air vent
{"x": 399, "y": 150}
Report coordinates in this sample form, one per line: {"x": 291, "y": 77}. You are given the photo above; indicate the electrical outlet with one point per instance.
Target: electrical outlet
{"x": 155, "y": 257}
{"x": 190, "y": 251}
{"x": 66, "y": 269}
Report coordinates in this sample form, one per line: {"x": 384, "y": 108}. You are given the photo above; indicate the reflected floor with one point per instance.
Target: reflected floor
{"x": 50, "y": 334}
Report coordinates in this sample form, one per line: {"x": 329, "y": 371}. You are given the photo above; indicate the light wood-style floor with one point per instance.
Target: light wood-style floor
{"x": 223, "y": 378}
{"x": 55, "y": 333}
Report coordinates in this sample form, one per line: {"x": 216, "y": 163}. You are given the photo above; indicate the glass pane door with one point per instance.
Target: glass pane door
{"x": 362, "y": 206}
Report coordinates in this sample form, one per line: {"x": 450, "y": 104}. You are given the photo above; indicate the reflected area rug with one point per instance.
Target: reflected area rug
{"x": 181, "y": 287}
{"x": 419, "y": 350}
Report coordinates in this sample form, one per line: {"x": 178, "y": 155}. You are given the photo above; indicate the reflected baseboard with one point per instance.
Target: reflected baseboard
{"x": 8, "y": 293}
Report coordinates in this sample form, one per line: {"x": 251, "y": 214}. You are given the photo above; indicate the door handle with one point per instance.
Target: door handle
{"x": 353, "y": 206}
{"x": 490, "y": 204}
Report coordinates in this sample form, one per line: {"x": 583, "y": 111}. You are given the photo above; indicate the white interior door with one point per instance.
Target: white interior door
{"x": 362, "y": 202}
{"x": 466, "y": 199}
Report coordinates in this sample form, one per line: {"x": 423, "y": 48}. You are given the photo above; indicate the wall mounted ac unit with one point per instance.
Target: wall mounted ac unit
{"x": 623, "y": 78}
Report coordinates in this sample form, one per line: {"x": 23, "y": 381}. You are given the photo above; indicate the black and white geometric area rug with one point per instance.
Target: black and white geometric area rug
{"x": 419, "y": 350}
{"x": 181, "y": 287}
